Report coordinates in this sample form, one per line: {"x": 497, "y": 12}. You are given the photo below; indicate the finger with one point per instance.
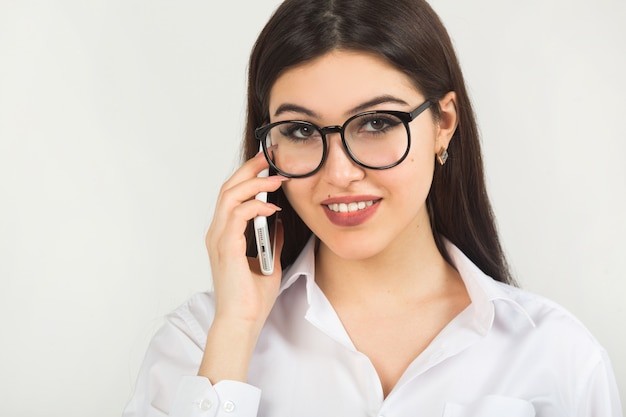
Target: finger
{"x": 230, "y": 200}
{"x": 248, "y": 189}
{"x": 246, "y": 212}
{"x": 232, "y": 227}
{"x": 247, "y": 170}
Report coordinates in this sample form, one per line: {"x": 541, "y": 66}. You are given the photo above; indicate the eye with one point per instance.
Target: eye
{"x": 376, "y": 123}
{"x": 297, "y": 131}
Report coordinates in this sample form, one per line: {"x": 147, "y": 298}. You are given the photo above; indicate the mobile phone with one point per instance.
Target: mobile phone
{"x": 264, "y": 247}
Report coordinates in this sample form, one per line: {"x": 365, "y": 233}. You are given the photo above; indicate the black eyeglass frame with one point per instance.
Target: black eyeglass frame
{"x": 405, "y": 117}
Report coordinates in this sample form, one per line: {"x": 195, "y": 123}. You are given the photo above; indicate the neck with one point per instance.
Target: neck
{"x": 410, "y": 269}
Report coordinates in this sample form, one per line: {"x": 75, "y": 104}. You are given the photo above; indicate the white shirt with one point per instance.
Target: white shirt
{"x": 509, "y": 353}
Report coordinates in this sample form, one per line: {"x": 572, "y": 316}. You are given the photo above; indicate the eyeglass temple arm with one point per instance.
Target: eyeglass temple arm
{"x": 420, "y": 109}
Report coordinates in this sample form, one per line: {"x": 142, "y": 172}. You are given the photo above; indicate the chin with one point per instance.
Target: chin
{"x": 353, "y": 248}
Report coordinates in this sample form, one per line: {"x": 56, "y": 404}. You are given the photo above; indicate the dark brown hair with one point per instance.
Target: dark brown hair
{"x": 409, "y": 35}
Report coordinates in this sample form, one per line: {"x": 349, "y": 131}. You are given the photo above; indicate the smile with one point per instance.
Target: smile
{"x": 349, "y": 207}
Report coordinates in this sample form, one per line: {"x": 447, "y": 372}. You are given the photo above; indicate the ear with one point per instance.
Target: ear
{"x": 448, "y": 121}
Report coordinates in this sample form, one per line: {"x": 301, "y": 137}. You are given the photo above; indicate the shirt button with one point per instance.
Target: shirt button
{"x": 205, "y": 405}
{"x": 229, "y": 406}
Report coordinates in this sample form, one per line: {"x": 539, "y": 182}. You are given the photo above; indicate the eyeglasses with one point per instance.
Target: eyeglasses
{"x": 373, "y": 139}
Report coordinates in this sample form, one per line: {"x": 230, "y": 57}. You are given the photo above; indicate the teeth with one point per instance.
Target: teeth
{"x": 350, "y": 207}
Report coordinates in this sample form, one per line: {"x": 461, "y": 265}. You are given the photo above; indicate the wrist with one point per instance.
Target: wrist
{"x": 229, "y": 348}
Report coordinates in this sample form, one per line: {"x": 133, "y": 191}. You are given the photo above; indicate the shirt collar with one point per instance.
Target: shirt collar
{"x": 303, "y": 266}
{"x": 484, "y": 291}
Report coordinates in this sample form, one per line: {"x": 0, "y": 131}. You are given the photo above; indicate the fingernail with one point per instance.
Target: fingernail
{"x": 279, "y": 178}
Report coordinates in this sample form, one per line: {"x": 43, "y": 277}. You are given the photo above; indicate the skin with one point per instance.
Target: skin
{"x": 384, "y": 275}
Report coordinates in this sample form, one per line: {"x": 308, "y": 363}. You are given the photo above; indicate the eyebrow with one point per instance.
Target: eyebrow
{"x": 294, "y": 108}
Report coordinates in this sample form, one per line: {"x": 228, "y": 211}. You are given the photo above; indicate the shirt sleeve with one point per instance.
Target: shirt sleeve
{"x": 602, "y": 396}
{"x": 196, "y": 397}
{"x": 167, "y": 384}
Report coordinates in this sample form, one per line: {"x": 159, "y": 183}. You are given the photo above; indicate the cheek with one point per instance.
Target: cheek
{"x": 288, "y": 190}
{"x": 423, "y": 138}
{"x": 416, "y": 171}
{"x": 421, "y": 157}
{"x": 296, "y": 193}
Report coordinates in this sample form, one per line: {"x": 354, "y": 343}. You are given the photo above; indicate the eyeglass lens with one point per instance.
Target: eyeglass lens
{"x": 375, "y": 140}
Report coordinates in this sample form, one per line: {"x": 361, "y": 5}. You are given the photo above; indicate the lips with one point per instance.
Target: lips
{"x": 350, "y": 211}
{"x": 349, "y": 207}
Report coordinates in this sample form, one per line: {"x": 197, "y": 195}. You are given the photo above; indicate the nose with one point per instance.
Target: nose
{"x": 339, "y": 169}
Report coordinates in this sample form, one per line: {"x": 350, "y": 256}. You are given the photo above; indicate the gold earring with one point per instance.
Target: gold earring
{"x": 442, "y": 156}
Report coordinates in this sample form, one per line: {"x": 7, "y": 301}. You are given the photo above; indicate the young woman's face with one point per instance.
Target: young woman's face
{"x": 386, "y": 209}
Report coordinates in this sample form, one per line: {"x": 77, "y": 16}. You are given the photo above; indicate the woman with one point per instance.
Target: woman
{"x": 390, "y": 293}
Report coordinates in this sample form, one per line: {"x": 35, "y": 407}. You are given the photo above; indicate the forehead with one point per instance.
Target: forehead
{"x": 340, "y": 80}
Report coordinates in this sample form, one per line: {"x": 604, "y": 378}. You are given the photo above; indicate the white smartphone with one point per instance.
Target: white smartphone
{"x": 262, "y": 234}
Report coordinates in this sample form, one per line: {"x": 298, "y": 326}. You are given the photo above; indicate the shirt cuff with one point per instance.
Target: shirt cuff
{"x": 197, "y": 397}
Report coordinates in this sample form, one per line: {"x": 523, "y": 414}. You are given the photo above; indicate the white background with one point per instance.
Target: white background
{"x": 120, "y": 119}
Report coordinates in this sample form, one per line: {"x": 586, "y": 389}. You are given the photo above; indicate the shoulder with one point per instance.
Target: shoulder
{"x": 558, "y": 344}
{"x": 541, "y": 310}
{"x": 551, "y": 324}
{"x": 518, "y": 312}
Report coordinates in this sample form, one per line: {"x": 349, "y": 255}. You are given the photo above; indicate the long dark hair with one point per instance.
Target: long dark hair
{"x": 409, "y": 35}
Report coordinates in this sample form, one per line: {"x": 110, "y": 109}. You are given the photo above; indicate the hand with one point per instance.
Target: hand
{"x": 243, "y": 296}
{"x": 242, "y": 293}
